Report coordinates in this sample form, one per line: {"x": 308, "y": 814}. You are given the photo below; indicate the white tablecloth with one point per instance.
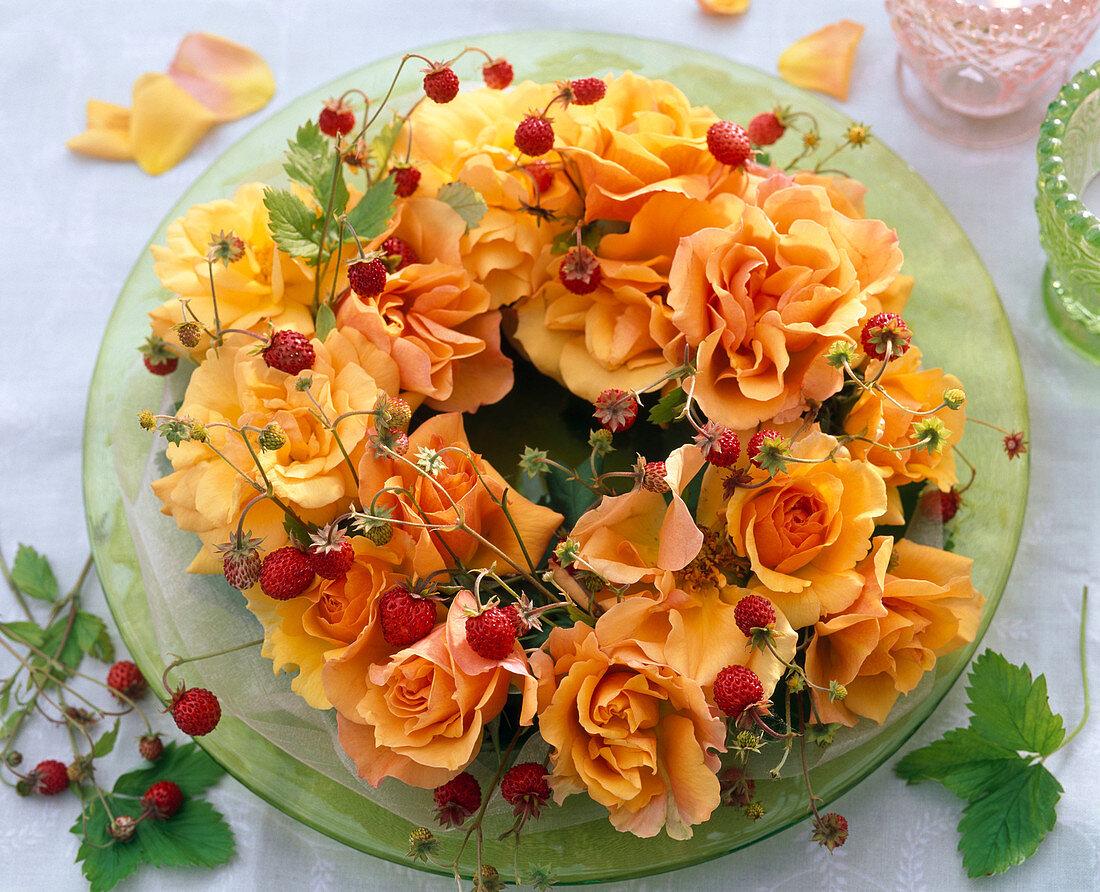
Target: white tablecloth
{"x": 73, "y": 228}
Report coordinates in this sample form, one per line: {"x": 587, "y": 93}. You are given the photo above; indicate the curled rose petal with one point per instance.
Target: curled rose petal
{"x": 724, "y": 7}
{"x": 108, "y": 133}
{"x": 166, "y": 124}
{"x": 229, "y": 79}
{"x": 823, "y": 60}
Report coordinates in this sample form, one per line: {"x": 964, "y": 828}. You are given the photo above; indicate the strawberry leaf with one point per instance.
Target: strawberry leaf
{"x": 293, "y": 225}
{"x": 188, "y": 766}
{"x": 310, "y": 162}
{"x": 962, "y": 761}
{"x": 372, "y": 212}
{"x": 106, "y": 742}
{"x": 668, "y": 407}
{"x": 1011, "y": 709}
{"x": 103, "y": 861}
{"x": 381, "y": 147}
{"x": 32, "y": 574}
{"x": 324, "y": 323}
{"x": 466, "y": 201}
{"x": 1006, "y": 826}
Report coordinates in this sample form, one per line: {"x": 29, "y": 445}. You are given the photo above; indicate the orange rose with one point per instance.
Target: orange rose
{"x": 307, "y": 631}
{"x": 889, "y": 422}
{"x": 464, "y": 482}
{"x": 804, "y": 531}
{"x": 418, "y": 716}
{"x": 309, "y": 474}
{"x": 906, "y": 616}
{"x": 264, "y": 284}
{"x": 630, "y": 731}
{"x": 433, "y": 318}
{"x": 761, "y": 301}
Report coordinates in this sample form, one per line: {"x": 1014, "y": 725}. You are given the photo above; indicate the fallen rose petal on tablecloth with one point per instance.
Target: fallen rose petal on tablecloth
{"x": 166, "y": 124}
{"x": 724, "y": 7}
{"x": 229, "y": 79}
{"x": 108, "y": 133}
{"x": 823, "y": 60}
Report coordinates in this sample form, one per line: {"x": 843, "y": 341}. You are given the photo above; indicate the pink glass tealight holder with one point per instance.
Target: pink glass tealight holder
{"x": 980, "y": 73}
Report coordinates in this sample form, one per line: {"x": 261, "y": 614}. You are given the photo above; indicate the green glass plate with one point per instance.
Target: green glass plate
{"x": 953, "y": 308}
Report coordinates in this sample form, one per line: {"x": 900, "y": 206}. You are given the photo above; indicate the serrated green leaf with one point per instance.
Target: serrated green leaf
{"x": 569, "y": 497}
{"x": 106, "y": 742}
{"x": 1011, "y": 709}
{"x": 1006, "y": 826}
{"x": 668, "y": 407}
{"x": 11, "y": 721}
{"x": 373, "y": 211}
{"x": 83, "y": 636}
{"x": 293, "y": 225}
{"x": 962, "y": 761}
{"x": 28, "y": 633}
{"x": 32, "y": 574}
{"x": 465, "y": 200}
{"x": 324, "y": 323}
{"x": 104, "y": 862}
{"x": 187, "y": 765}
{"x": 311, "y": 161}
{"x": 381, "y": 147}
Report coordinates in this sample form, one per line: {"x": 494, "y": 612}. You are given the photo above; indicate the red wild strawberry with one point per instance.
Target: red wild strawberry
{"x": 735, "y": 689}
{"x": 759, "y": 439}
{"x": 405, "y": 180}
{"x": 285, "y": 573}
{"x": 534, "y": 135}
{"x": 491, "y": 633}
{"x": 241, "y": 561}
{"x": 367, "y": 277}
{"x": 521, "y": 625}
{"x": 765, "y": 129}
{"x": 157, "y": 358}
{"x": 830, "y": 830}
{"x": 150, "y": 746}
{"x": 580, "y": 271}
{"x": 440, "y": 83}
{"x": 729, "y": 143}
{"x": 405, "y": 617}
{"x": 457, "y": 799}
{"x": 331, "y": 556}
{"x": 542, "y": 174}
{"x": 524, "y": 787}
{"x": 289, "y": 351}
{"x": 753, "y": 612}
{"x": 885, "y": 331}
{"x": 402, "y": 250}
{"x": 163, "y": 799}
{"x": 719, "y": 444}
{"x": 941, "y": 506}
{"x": 585, "y": 91}
{"x": 336, "y": 118}
{"x": 125, "y": 678}
{"x": 616, "y": 410}
{"x": 196, "y": 711}
{"x": 497, "y": 74}
{"x": 655, "y": 477}
{"x": 50, "y": 777}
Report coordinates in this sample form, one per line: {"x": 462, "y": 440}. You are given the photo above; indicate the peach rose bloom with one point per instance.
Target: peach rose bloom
{"x": 633, "y": 733}
{"x": 636, "y": 536}
{"x": 761, "y": 301}
{"x": 471, "y": 140}
{"x": 890, "y": 425}
{"x": 264, "y": 284}
{"x": 804, "y": 531}
{"x": 418, "y": 715}
{"x": 309, "y": 474}
{"x": 433, "y": 318}
{"x": 466, "y": 483}
{"x": 907, "y": 616}
{"x": 304, "y": 633}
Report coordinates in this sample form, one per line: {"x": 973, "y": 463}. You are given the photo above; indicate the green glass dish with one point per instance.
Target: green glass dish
{"x": 953, "y": 294}
{"x": 1068, "y": 231}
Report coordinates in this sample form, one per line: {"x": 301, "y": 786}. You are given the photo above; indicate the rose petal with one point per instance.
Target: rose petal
{"x": 229, "y": 79}
{"x": 167, "y": 122}
{"x": 724, "y": 7}
{"x": 108, "y": 133}
{"x": 823, "y": 60}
